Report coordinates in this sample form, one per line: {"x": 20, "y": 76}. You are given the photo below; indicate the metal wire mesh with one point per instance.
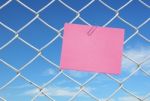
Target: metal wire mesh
{"x": 41, "y": 89}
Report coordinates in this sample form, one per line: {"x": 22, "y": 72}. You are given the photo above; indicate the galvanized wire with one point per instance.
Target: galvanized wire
{"x": 59, "y": 35}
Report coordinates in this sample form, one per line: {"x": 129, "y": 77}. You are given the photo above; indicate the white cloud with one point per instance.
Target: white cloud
{"x": 31, "y": 92}
{"x": 21, "y": 86}
{"x": 127, "y": 98}
{"x": 57, "y": 91}
{"x": 131, "y": 98}
{"x": 60, "y": 91}
{"x": 137, "y": 54}
{"x": 105, "y": 99}
{"x": 48, "y": 72}
{"x": 53, "y": 91}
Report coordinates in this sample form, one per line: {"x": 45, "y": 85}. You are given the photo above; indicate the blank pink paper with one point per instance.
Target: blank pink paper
{"x": 92, "y": 48}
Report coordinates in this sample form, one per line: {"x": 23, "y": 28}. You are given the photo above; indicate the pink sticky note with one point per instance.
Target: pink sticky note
{"x": 92, "y": 48}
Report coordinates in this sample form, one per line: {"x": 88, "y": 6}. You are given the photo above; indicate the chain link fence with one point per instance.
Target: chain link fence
{"x": 41, "y": 89}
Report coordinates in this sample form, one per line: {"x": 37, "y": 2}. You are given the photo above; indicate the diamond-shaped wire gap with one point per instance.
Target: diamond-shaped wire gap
{"x": 145, "y": 66}
{"x": 130, "y": 14}
{"x": 137, "y": 48}
{"x": 94, "y": 14}
{"x": 82, "y": 96}
{"x": 76, "y": 4}
{"x": 79, "y": 75}
{"x": 116, "y": 4}
{"x": 36, "y": 5}
{"x": 57, "y": 14}
{"x": 15, "y": 11}
{"x": 17, "y": 53}
{"x": 40, "y": 71}
{"x": 61, "y": 88}
{"x": 120, "y": 24}
{"x": 102, "y": 86}
{"x": 138, "y": 84}
{"x": 4, "y": 77}
{"x": 37, "y": 34}
{"x": 18, "y": 90}
{"x": 123, "y": 96}
{"x": 126, "y": 69}
{"x": 53, "y": 51}
{"x": 5, "y": 36}
{"x": 144, "y": 30}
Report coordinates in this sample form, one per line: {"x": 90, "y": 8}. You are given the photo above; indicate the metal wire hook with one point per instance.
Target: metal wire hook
{"x": 91, "y": 30}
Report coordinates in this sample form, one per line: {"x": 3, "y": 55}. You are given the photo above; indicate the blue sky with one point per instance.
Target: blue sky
{"x": 17, "y": 53}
